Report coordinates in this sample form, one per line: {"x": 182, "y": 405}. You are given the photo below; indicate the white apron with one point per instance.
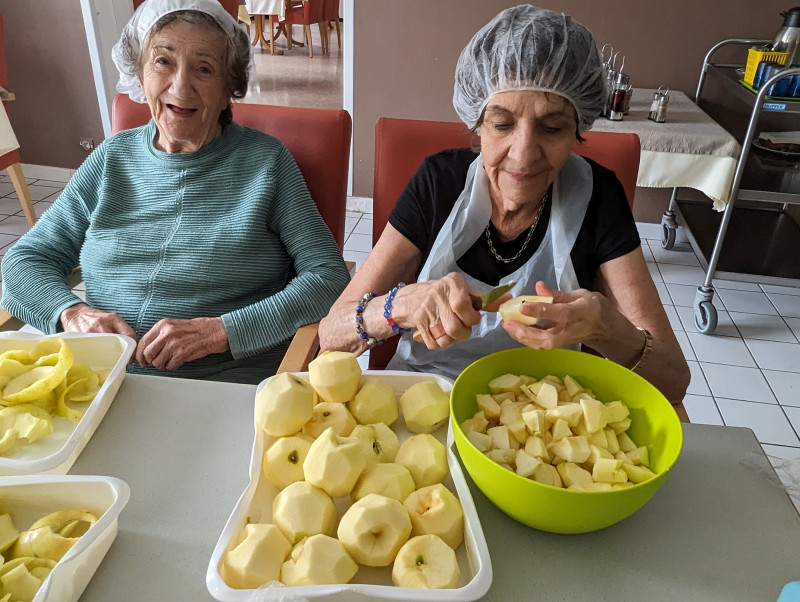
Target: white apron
{"x": 551, "y": 263}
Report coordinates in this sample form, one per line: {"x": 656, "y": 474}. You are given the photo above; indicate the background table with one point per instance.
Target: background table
{"x": 717, "y": 530}
{"x": 689, "y": 150}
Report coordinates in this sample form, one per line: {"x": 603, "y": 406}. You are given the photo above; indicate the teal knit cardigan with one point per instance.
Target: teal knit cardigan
{"x": 229, "y": 230}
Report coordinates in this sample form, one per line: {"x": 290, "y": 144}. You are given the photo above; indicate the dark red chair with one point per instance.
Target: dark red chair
{"x": 330, "y": 16}
{"x": 232, "y": 6}
{"x": 11, "y": 160}
{"x": 305, "y": 13}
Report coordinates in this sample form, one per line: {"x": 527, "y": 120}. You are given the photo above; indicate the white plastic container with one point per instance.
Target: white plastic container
{"x": 56, "y": 453}
{"x": 29, "y": 498}
{"x": 255, "y": 505}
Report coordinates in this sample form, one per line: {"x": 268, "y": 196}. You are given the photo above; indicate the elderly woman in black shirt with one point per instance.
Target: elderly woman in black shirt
{"x": 526, "y": 208}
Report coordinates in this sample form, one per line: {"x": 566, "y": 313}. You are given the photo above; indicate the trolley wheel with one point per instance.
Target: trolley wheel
{"x": 667, "y": 237}
{"x": 705, "y": 317}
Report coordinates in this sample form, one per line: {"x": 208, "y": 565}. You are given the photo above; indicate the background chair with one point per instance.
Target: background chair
{"x": 232, "y": 6}
{"x": 305, "y": 13}
{"x": 319, "y": 140}
{"x": 11, "y": 161}
{"x": 330, "y": 16}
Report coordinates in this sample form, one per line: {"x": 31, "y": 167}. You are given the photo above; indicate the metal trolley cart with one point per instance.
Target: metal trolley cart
{"x": 758, "y": 243}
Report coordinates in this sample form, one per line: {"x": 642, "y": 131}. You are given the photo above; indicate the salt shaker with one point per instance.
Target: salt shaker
{"x": 658, "y": 108}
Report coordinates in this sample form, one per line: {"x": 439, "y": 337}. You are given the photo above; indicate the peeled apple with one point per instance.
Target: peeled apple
{"x": 335, "y": 376}
{"x": 512, "y": 309}
{"x": 284, "y": 405}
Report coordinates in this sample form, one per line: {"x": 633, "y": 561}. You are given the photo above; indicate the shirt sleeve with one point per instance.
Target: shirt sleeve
{"x": 36, "y": 268}
{"x": 321, "y": 274}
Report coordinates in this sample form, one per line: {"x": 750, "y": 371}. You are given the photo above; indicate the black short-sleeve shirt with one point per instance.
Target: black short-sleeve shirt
{"x": 608, "y": 230}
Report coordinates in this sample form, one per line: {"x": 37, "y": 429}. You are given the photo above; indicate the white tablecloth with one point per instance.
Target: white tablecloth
{"x": 265, "y": 7}
{"x": 689, "y": 150}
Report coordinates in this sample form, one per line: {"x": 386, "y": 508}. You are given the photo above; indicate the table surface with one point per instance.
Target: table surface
{"x": 688, "y": 129}
{"x": 720, "y": 528}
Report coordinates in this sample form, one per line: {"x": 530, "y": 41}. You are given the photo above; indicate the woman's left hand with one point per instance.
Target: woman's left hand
{"x": 579, "y": 316}
{"x": 170, "y": 343}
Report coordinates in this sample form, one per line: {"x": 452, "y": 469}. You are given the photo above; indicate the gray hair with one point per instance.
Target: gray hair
{"x": 236, "y": 58}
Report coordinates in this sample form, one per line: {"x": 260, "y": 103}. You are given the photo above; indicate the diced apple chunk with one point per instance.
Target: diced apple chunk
{"x": 639, "y": 456}
{"x": 481, "y": 441}
{"x": 560, "y": 430}
{"x": 625, "y": 443}
{"x": 535, "y": 446}
{"x": 572, "y": 473}
{"x": 525, "y": 463}
{"x": 489, "y": 407}
{"x": 616, "y": 411}
{"x": 572, "y": 449}
{"x": 638, "y": 474}
{"x": 505, "y": 383}
{"x": 571, "y": 412}
{"x": 608, "y": 470}
{"x": 535, "y": 420}
{"x": 594, "y": 414}
{"x": 547, "y": 396}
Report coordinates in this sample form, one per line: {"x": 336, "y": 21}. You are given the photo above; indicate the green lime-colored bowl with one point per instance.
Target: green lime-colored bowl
{"x": 654, "y": 423}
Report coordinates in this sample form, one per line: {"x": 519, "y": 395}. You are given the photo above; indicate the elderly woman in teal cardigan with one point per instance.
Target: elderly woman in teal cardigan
{"x": 196, "y": 236}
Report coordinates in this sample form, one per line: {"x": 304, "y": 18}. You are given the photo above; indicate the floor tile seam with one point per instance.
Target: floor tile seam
{"x": 760, "y": 370}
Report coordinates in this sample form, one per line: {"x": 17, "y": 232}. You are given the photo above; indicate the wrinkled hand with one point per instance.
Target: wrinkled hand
{"x": 83, "y": 318}
{"x": 170, "y": 343}
{"x": 441, "y": 310}
{"x": 579, "y": 316}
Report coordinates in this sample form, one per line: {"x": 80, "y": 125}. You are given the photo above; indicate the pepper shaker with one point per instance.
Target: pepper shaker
{"x": 658, "y": 108}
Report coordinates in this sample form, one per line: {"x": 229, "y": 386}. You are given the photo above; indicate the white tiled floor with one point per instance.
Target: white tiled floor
{"x": 746, "y": 374}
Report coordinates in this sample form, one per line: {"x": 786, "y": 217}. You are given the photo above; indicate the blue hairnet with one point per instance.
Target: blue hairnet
{"x": 530, "y": 48}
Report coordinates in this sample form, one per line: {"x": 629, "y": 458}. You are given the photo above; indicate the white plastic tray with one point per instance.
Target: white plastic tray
{"x": 255, "y": 505}
{"x": 29, "y": 498}
{"x": 56, "y": 453}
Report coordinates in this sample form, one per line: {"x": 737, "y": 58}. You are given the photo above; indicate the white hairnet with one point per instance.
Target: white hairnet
{"x": 142, "y": 21}
{"x": 530, "y": 48}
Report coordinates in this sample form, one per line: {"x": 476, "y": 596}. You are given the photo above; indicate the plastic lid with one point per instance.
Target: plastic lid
{"x": 791, "y": 17}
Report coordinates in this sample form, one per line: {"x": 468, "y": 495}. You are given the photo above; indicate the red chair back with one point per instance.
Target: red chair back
{"x": 402, "y": 144}
{"x": 13, "y": 156}
{"x": 318, "y": 139}
{"x": 232, "y": 6}
{"x": 330, "y": 10}
{"x": 306, "y": 12}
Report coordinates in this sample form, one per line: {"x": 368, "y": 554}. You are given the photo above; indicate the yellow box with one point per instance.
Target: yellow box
{"x": 754, "y": 57}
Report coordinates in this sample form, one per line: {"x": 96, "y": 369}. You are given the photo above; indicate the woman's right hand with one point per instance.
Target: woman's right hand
{"x": 441, "y": 310}
{"x": 83, "y": 318}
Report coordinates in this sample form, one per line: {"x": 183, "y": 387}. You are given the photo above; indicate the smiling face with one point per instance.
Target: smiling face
{"x": 183, "y": 78}
{"x": 526, "y": 137}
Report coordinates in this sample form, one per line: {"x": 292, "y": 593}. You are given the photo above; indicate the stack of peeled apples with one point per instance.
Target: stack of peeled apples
{"x": 332, "y": 438}
{"x": 556, "y": 432}
{"x": 38, "y": 384}
{"x": 29, "y": 556}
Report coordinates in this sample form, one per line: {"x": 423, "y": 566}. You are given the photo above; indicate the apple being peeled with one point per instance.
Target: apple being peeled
{"x": 318, "y": 560}
{"x": 335, "y": 376}
{"x": 512, "y": 309}
{"x": 374, "y": 402}
{"x": 374, "y": 529}
{"x": 425, "y": 407}
{"x": 426, "y": 561}
{"x": 302, "y": 510}
{"x": 257, "y": 558}
{"x": 283, "y": 405}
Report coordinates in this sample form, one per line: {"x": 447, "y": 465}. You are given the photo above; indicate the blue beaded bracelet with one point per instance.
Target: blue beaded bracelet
{"x": 359, "y": 321}
{"x": 387, "y": 310}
